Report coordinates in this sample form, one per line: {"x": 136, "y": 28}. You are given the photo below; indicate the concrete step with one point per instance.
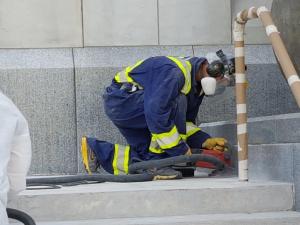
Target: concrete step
{"x": 270, "y": 218}
{"x": 158, "y": 198}
{"x": 275, "y": 129}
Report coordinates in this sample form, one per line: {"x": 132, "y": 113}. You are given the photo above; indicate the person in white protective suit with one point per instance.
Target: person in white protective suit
{"x": 15, "y": 153}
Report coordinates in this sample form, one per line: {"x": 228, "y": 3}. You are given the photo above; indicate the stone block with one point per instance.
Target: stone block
{"x": 14, "y": 59}
{"x": 123, "y": 56}
{"x": 296, "y": 170}
{"x": 287, "y": 130}
{"x": 221, "y": 129}
{"x": 271, "y": 162}
{"x": 40, "y": 24}
{"x": 157, "y": 198}
{"x": 41, "y": 83}
{"x": 194, "y": 22}
{"x": 254, "y": 31}
{"x": 262, "y": 132}
{"x": 91, "y": 118}
{"x": 46, "y": 97}
{"x": 268, "y": 218}
{"x": 120, "y": 22}
{"x": 219, "y": 107}
{"x": 254, "y": 54}
{"x": 268, "y": 94}
{"x": 281, "y": 128}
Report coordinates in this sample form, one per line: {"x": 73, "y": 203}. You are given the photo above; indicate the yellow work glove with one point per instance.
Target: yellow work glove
{"x": 219, "y": 144}
{"x": 189, "y": 152}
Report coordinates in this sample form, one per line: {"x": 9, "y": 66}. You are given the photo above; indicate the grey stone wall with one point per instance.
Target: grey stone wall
{"x": 268, "y": 93}
{"x": 60, "y": 93}
{"x": 287, "y": 18}
{"x": 274, "y": 146}
{"x": 41, "y": 83}
{"x": 82, "y": 23}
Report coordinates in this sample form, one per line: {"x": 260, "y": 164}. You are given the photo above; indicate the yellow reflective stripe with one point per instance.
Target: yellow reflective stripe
{"x": 115, "y": 160}
{"x": 186, "y": 68}
{"x": 168, "y": 139}
{"x": 154, "y": 146}
{"x": 123, "y": 76}
{"x": 156, "y": 150}
{"x": 121, "y": 159}
{"x": 118, "y": 78}
{"x": 126, "y": 159}
{"x": 191, "y": 129}
{"x": 183, "y": 136}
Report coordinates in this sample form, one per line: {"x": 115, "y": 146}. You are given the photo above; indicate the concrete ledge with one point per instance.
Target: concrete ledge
{"x": 261, "y": 130}
{"x": 35, "y": 58}
{"x": 270, "y": 218}
{"x": 271, "y": 162}
{"x": 123, "y": 56}
{"x": 158, "y": 198}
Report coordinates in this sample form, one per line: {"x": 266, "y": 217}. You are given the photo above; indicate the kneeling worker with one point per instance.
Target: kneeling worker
{"x": 154, "y": 104}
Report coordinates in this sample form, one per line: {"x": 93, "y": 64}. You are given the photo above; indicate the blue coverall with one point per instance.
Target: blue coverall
{"x": 151, "y": 108}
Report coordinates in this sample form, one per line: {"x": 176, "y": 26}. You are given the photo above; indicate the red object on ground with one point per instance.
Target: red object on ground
{"x": 223, "y": 156}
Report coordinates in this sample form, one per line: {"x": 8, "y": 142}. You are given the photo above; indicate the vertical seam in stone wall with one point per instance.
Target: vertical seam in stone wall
{"x": 157, "y": 11}
{"x": 193, "y": 50}
{"x": 293, "y": 177}
{"x": 82, "y": 26}
{"x": 230, "y": 2}
{"x": 75, "y": 110}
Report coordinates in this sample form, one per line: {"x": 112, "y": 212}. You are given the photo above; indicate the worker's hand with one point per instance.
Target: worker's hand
{"x": 189, "y": 152}
{"x": 218, "y": 144}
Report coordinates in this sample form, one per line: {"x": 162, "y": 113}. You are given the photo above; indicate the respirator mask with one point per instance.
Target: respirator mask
{"x": 219, "y": 66}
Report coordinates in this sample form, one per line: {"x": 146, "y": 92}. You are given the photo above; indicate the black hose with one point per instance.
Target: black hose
{"x": 160, "y": 163}
{"x": 138, "y": 172}
{"x": 20, "y": 216}
{"x": 99, "y": 178}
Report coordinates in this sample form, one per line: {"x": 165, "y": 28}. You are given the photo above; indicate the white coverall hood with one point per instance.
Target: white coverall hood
{"x": 15, "y": 152}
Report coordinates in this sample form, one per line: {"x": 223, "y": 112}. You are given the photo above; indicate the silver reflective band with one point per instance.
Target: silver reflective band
{"x": 239, "y": 52}
{"x": 123, "y": 77}
{"x": 191, "y": 129}
{"x": 121, "y": 159}
{"x": 239, "y": 18}
{"x": 238, "y": 36}
{"x": 292, "y": 79}
{"x": 169, "y": 142}
{"x": 243, "y": 169}
{"x": 154, "y": 147}
{"x": 262, "y": 9}
{"x": 241, "y": 108}
{"x": 240, "y": 78}
{"x": 239, "y": 147}
{"x": 242, "y": 128}
{"x": 251, "y": 14}
{"x": 271, "y": 29}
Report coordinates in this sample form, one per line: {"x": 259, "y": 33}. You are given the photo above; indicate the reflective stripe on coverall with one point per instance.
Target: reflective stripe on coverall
{"x": 15, "y": 153}
{"x": 153, "y": 115}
